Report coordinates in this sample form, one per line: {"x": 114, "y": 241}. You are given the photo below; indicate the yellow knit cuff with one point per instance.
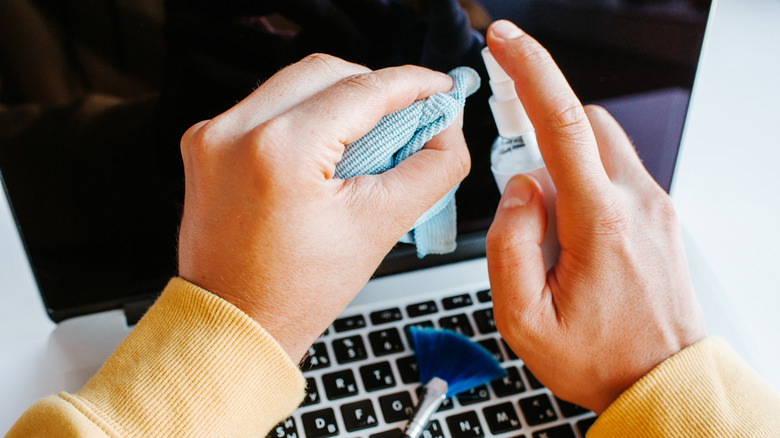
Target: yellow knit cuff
{"x": 704, "y": 390}
{"x": 195, "y": 365}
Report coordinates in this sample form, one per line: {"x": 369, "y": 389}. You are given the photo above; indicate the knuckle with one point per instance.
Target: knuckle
{"x": 497, "y": 241}
{"x": 371, "y": 84}
{"x": 505, "y": 245}
{"x": 269, "y": 134}
{"x": 323, "y": 61}
{"x": 613, "y": 221}
{"x": 324, "y": 68}
{"x": 663, "y": 207}
{"x": 571, "y": 120}
{"x": 199, "y": 139}
{"x": 533, "y": 52}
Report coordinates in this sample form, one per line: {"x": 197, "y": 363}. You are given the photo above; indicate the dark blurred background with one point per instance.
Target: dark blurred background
{"x": 95, "y": 94}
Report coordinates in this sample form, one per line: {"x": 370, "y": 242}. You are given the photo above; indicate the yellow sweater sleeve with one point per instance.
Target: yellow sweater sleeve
{"x": 194, "y": 365}
{"x": 706, "y": 390}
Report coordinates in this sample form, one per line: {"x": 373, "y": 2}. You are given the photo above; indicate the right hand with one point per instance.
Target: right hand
{"x": 619, "y": 300}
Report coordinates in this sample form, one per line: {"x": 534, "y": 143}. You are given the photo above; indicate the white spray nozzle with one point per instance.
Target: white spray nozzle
{"x": 508, "y": 112}
{"x": 494, "y": 70}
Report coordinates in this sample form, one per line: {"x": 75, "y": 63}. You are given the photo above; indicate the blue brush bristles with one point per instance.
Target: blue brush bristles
{"x": 454, "y": 358}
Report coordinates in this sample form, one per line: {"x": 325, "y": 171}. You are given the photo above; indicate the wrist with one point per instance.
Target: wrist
{"x": 625, "y": 379}
{"x": 293, "y": 331}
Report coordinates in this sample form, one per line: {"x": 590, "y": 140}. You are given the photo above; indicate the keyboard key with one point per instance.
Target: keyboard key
{"x": 385, "y": 341}
{"x": 509, "y": 353}
{"x": 285, "y": 429}
{"x": 433, "y": 430}
{"x": 562, "y": 431}
{"x": 458, "y": 323}
{"x": 320, "y": 424}
{"x": 465, "y": 425}
{"x": 485, "y": 322}
{"x": 339, "y": 384}
{"x": 394, "y": 433}
{"x": 501, "y": 418}
{"x": 474, "y": 395}
{"x": 420, "y": 324}
{"x": 445, "y": 405}
{"x": 535, "y": 384}
{"x": 491, "y": 345}
{"x": 510, "y": 384}
{"x": 456, "y": 301}
{"x": 385, "y": 316}
{"x": 537, "y": 410}
{"x": 584, "y": 425}
{"x": 421, "y": 309}
{"x": 396, "y": 407}
{"x": 349, "y": 323}
{"x": 317, "y": 357}
{"x": 407, "y": 367}
{"x": 570, "y": 409}
{"x": 359, "y": 415}
{"x": 377, "y": 376}
{"x": 312, "y": 393}
{"x": 349, "y": 349}
{"x": 484, "y": 296}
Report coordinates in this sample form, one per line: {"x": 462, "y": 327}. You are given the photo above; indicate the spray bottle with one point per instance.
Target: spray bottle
{"x": 516, "y": 151}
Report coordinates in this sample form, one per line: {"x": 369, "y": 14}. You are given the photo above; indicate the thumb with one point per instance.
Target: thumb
{"x": 514, "y": 252}
{"x": 418, "y": 182}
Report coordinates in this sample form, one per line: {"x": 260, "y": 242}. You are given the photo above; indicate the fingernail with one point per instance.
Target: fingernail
{"x": 505, "y": 30}
{"x": 518, "y": 192}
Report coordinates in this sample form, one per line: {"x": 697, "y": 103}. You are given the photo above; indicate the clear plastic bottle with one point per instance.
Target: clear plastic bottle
{"x": 516, "y": 151}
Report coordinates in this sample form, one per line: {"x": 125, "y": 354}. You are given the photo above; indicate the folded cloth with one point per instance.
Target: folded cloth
{"x": 402, "y": 133}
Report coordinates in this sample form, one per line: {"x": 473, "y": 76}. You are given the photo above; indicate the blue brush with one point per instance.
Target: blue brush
{"x": 449, "y": 363}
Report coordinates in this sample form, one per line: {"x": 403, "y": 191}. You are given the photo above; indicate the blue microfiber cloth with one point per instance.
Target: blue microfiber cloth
{"x": 402, "y": 133}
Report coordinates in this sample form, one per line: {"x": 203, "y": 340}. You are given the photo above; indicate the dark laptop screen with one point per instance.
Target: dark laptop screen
{"x": 91, "y": 111}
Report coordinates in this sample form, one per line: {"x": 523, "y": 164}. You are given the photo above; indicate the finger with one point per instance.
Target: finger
{"x": 417, "y": 183}
{"x": 350, "y": 108}
{"x": 289, "y": 87}
{"x": 618, "y": 155}
{"x": 514, "y": 253}
{"x": 564, "y": 134}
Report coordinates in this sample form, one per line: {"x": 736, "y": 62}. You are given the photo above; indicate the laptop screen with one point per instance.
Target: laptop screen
{"x": 92, "y": 111}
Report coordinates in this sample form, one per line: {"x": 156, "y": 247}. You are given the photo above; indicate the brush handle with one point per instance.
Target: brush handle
{"x": 435, "y": 392}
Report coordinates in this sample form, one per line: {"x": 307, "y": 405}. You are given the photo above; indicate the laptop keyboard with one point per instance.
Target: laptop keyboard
{"x": 362, "y": 379}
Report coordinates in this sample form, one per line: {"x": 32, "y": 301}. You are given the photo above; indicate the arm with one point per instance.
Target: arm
{"x": 193, "y": 366}
{"x": 280, "y": 245}
{"x": 617, "y": 313}
{"x": 703, "y": 391}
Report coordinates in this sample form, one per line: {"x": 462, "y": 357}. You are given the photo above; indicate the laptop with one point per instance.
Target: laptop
{"x": 98, "y": 208}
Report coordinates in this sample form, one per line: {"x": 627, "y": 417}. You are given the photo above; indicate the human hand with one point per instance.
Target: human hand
{"x": 619, "y": 300}
{"x": 267, "y": 227}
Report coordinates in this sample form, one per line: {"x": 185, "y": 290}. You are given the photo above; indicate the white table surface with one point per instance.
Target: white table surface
{"x": 727, "y": 182}
{"x": 725, "y": 188}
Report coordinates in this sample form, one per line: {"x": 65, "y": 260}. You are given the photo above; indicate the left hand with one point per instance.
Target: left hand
{"x": 267, "y": 227}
